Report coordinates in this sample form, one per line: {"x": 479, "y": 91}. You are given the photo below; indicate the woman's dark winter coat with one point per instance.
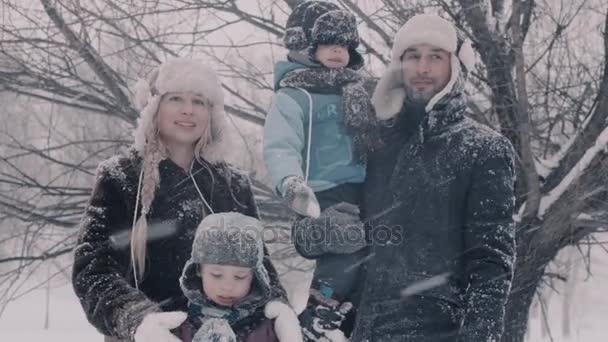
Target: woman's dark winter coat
{"x": 102, "y": 273}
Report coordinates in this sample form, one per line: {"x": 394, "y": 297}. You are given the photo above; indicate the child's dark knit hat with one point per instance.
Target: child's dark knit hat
{"x": 314, "y": 22}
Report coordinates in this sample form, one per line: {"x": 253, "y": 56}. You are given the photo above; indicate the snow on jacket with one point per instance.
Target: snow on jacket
{"x": 442, "y": 193}
{"x": 246, "y": 318}
{"x": 102, "y": 276}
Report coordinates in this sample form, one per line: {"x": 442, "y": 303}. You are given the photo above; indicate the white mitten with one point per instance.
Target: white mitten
{"x": 300, "y": 197}
{"x": 156, "y": 327}
{"x": 286, "y": 324}
{"x": 336, "y": 335}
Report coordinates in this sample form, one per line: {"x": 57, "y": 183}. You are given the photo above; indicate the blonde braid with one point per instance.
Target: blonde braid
{"x": 154, "y": 153}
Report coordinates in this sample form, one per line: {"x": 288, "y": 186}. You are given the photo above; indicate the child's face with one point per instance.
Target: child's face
{"x": 332, "y": 56}
{"x": 224, "y": 284}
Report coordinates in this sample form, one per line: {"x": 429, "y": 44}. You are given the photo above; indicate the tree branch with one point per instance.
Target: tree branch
{"x": 523, "y": 122}
{"x": 41, "y": 257}
{"x": 369, "y": 22}
{"x": 244, "y": 115}
{"x": 95, "y": 62}
{"x": 527, "y": 9}
{"x": 587, "y": 137}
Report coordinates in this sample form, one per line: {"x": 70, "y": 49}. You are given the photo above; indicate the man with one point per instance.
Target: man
{"x": 438, "y": 202}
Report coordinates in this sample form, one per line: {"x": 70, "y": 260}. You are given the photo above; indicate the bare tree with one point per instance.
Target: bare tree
{"x": 66, "y": 68}
{"x": 574, "y": 187}
{"x": 541, "y": 80}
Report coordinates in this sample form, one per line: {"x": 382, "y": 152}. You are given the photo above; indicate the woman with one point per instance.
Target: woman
{"x": 138, "y": 227}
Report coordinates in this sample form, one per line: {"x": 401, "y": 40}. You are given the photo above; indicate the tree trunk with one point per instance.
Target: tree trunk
{"x": 530, "y": 268}
{"x": 576, "y": 186}
{"x": 539, "y": 242}
{"x": 518, "y": 310}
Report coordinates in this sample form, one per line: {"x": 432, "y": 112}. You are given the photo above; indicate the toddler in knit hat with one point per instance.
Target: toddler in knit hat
{"x": 317, "y": 134}
{"x": 228, "y": 288}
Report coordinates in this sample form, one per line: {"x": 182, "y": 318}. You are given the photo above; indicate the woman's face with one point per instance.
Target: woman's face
{"x": 183, "y": 118}
{"x": 225, "y": 284}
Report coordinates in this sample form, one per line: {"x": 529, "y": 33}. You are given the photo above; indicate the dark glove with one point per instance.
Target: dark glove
{"x": 322, "y": 317}
{"x": 300, "y": 197}
{"x": 338, "y": 230}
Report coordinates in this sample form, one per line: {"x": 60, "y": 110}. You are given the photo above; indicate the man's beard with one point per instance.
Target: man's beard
{"x": 418, "y": 97}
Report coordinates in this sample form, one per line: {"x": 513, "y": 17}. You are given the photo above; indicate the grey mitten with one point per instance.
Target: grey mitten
{"x": 338, "y": 230}
{"x": 300, "y": 196}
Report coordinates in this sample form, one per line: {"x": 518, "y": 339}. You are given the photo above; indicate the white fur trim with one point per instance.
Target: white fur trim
{"x": 141, "y": 94}
{"x": 286, "y": 325}
{"x": 187, "y": 75}
{"x": 389, "y": 94}
{"x": 448, "y": 87}
{"x": 146, "y": 118}
{"x": 467, "y": 55}
{"x": 425, "y": 29}
{"x": 222, "y": 137}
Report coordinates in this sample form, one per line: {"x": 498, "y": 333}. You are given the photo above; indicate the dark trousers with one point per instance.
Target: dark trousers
{"x": 339, "y": 271}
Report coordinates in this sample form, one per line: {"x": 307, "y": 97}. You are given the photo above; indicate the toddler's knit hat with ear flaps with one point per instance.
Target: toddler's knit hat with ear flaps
{"x": 421, "y": 29}
{"x": 315, "y": 22}
{"x": 226, "y": 239}
{"x": 183, "y": 75}
{"x": 235, "y": 239}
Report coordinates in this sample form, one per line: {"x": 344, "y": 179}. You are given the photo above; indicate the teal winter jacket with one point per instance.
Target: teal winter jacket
{"x": 292, "y": 141}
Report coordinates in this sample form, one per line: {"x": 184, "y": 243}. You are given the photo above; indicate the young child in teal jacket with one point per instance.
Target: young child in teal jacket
{"x": 316, "y": 137}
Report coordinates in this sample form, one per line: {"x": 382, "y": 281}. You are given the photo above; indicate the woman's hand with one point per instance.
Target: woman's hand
{"x": 156, "y": 327}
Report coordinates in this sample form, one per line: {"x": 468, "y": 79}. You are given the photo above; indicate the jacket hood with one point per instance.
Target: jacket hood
{"x": 282, "y": 68}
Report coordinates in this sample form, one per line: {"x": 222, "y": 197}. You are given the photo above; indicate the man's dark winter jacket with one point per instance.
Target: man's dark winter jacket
{"x": 102, "y": 276}
{"x": 439, "y": 201}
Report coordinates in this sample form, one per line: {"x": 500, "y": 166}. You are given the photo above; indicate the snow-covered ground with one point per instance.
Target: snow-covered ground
{"x": 24, "y": 319}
